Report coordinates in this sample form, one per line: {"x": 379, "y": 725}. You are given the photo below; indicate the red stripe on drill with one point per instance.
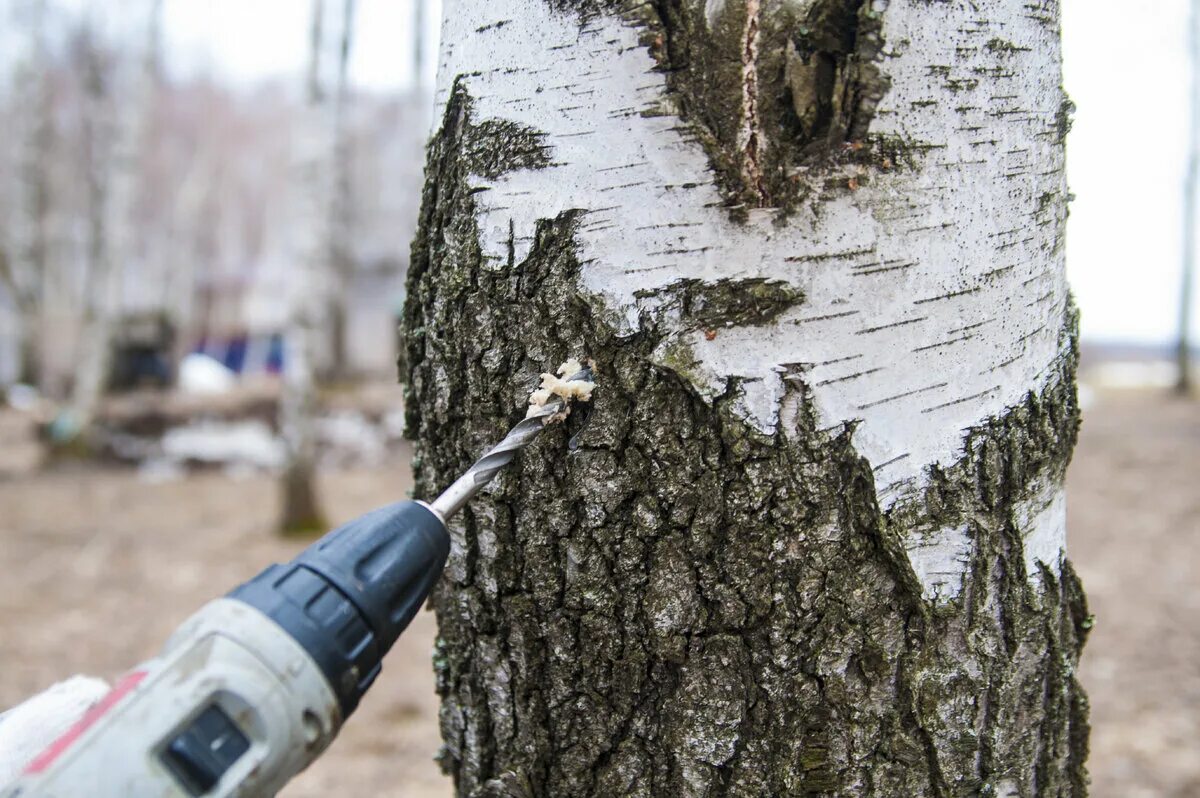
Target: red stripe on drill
{"x": 121, "y": 689}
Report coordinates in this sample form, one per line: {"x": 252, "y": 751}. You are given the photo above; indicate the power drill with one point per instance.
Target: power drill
{"x": 254, "y": 687}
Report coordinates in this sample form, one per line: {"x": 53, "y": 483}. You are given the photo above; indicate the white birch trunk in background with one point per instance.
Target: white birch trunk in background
{"x": 312, "y": 277}
{"x": 118, "y": 110}
{"x": 813, "y": 538}
{"x": 1191, "y": 195}
{"x": 341, "y": 254}
{"x": 26, "y": 275}
{"x": 418, "y": 44}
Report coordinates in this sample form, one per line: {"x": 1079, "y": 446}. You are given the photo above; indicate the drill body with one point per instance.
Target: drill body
{"x": 252, "y": 688}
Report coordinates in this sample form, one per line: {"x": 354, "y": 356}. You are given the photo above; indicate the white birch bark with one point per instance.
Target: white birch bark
{"x": 934, "y": 297}
{"x": 313, "y": 281}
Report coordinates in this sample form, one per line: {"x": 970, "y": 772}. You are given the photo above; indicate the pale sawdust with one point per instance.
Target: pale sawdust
{"x": 567, "y": 389}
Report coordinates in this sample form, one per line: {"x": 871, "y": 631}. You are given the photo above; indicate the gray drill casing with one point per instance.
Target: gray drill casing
{"x": 253, "y": 687}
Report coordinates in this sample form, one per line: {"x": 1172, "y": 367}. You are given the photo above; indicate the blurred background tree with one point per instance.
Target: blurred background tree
{"x": 165, "y": 230}
{"x": 1191, "y": 188}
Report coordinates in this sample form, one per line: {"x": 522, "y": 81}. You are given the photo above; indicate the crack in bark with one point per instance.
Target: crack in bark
{"x": 779, "y": 101}
{"x": 751, "y": 127}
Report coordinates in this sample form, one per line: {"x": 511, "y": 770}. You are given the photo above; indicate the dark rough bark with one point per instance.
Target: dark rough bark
{"x": 684, "y": 606}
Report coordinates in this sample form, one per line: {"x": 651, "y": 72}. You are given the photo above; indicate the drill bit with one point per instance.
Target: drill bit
{"x": 486, "y": 467}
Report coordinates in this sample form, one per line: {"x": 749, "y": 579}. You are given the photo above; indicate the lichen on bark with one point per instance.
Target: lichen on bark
{"x": 711, "y": 304}
{"x": 684, "y": 605}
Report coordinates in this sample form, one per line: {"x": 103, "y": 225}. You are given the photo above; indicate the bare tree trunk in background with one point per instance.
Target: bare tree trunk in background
{"x": 1191, "y": 188}
{"x": 419, "y": 14}
{"x": 117, "y": 114}
{"x": 26, "y": 275}
{"x": 341, "y": 209}
{"x": 99, "y": 133}
{"x": 812, "y": 540}
{"x": 182, "y": 287}
{"x": 301, "y": 510}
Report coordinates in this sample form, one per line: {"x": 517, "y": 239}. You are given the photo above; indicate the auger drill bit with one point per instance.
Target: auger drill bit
{"x": 486, "y": 467}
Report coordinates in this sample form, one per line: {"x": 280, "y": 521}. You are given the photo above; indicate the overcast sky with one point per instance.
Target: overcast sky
{"x": 246, "y": 40}
{"x": 1125, "y": 71}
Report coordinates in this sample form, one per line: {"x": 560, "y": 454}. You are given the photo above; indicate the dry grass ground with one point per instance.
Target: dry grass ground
{"x": 98, "y": 567}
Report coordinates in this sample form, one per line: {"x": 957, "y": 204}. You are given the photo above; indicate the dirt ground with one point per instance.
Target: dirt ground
{"x": 97, "y": 567}
{"x": 1134, "y": 535}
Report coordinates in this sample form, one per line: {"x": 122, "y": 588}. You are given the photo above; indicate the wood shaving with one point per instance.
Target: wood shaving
{"x": 568, "y": 390}
{"x": 568, "y": 368}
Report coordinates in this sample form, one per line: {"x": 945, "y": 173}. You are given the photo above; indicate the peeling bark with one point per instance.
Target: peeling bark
{"x": 715, "y": 55}
{"x": 809, "y": 540}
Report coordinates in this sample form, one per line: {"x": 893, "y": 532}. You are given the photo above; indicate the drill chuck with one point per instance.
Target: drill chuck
{"x": 346, "y": 598}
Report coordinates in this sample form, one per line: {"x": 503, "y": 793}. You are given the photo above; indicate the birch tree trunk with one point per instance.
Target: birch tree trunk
{"x": 26, "y": 276}
{"x": 418, "y": 44}
{"x": 811, "y": 538}
{"x": 312, "y": 281}
{"x": 341, "y": 253}
{"x": 117, "y": 132}
{"x": 1191, "y": 195}
{"x": 99, "y": 280}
